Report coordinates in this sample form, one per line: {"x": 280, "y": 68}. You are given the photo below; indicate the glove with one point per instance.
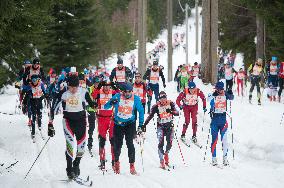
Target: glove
{"x": 113, "y": 102}
{"x": 51, "y": 131}
{"x": 204, "y": 109}
{"x": 181, "y": 107}
{"x": 140, "y": 130}
{"x": 164, "y": 85}
{"x": 211, "y": 114}
{"x": 230, "y": 92}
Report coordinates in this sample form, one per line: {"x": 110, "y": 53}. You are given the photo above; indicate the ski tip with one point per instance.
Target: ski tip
{"x": 91, "y": 184}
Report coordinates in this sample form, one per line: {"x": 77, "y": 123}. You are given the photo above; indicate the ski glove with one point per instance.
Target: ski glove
{"x": 204, "y": 109}
{"x": 169, "y": 111}
{"x": 164, "y": 85}
{"x": 181, "y": 107}
{"x": 211, "y": 114}
{"x": 51, "y": 131}
{"x": 113, "y": 102}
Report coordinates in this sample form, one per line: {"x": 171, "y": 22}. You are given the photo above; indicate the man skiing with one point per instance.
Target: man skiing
{"x": 121, "y": 73}
{"x": 272, "y": 74}
{"x": 36, "y": 93}
{"x": 74, "y": 123}
{"x": 140, "y": 89}
{"x": 152, "y": 75}
{"x": 105, "y": 120}
{"x": 229, "y": 76}
{"x": 184, "y": 75}
{"x": 189, "y": 98}
{"x": 255, "y": 78}
{"x": 124, "y": 104}
{"x": 195, "y": 70}
{"x": 218, "y": 109}
{"x": 241, "y": 75}
{"x": 165, "y": 110}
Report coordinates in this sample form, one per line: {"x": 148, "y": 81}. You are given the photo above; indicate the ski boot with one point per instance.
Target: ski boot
{"x": 194, "y": 139}
{"x": 162, "y": 164}
{"x": 70, "y": 173}
{"x": 166, "y": 158}
{"x": 214, "y": 161}
{"x": 250, "y": 96}
{"x": 182, "y": 137}
{"x": 102, "y": 166}
{"x": 132, "y": 169}
{"x": 225, "y": 161}
{"x": 33, "y": 138}
{"x": 76, "y": 168}
{"x": 30, "y": 122}
{"x": 113, "y": 165}
{"x": 117, "y": 167}
{"x": 259, "y": 103}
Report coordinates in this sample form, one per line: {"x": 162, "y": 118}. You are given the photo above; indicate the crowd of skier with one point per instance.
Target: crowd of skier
{"x": 119, "y": 100}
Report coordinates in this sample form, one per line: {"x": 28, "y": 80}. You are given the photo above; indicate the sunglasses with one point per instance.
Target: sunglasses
{"x": 127, "y": 91}
{"x": 137, "y": 76}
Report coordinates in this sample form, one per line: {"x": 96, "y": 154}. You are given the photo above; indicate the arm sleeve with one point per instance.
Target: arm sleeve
{"x": 112, "y": 75}
{"x": 89, "y": 99}
{"x": 179, "y": 98}
{"x": 146, "y": 75}
{"x": 201, "y": 95}
{"x": 128, "y": 73}
{"x": 175, "y": 112}
{"x": 162, "y": 76}
{"x": 140, "y": 109}
{"x": 154, "y": 110}
{"x": 108, "y": 105}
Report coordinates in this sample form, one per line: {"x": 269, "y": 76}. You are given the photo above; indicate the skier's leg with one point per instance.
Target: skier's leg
{"x": 186, "y": 119}
{"x": 281, "y": 82}
{"x": 118, "y": 134}
{"x": 223, "y": 132}
{"x": 102, "y": 129}
{"x": 258, "y": 88}
{"x": 91, "y": 120}
{"x": 69, "y": 136}
{"x": 253, "y": 83}
{"x": 156, "y": 92}
{"x": 129, "y": 135}
{"x": 169, "y": 138}
{"x": 214, "y": 134}
{"x": 160, "y": 136}
{"x": 33, "y": 113}
{"x": 194, "y": 119}
{"x": 111, "y": 140}
{"x": 238, "y": 86}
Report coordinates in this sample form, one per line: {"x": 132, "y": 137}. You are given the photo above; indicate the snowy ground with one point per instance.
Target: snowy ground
{"x": 258, "y": 145}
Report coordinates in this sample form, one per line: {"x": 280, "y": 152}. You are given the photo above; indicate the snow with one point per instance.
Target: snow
{"x": 258, "y": 146}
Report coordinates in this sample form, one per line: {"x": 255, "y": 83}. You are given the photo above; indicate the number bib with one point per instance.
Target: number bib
{"x": 195, "y": 71}
{"x": 37, "y": 92}
{"x": 220, "y": 104}
{"x": 125, "y": 108}
{"x": 273, "y": 70}
{"x": 120, "y": 75}
{"x": 104, "y": 98}
{"x": 154, "y": 77}
{"x": 164, "y": 116}
{"x": 228, "y": 73}
{"x": 191, "y": 99}
{"x": 241, "y": 75}
{"x": 74, "y": 102}
{"x": 256, "y": 70}
{"x": 138, "y": 90}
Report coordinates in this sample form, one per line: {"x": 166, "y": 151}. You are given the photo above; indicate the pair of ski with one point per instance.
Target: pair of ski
{"x": 168, "y": 167}
{"x": 41, "y": 135}
{"x": 80, "y": 181}
{"x": 187, "y": 142}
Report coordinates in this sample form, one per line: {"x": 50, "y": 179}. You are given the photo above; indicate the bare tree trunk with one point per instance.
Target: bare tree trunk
{"x": 170, "y": 40}
{"x": 259, "y": 37}
{"x": 214, "y": 40}
{"x": 142, "y": 32}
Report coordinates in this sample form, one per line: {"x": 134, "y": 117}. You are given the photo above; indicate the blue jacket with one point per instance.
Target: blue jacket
{"x": 212, "y": 100}
{"x": 137, "y": 105}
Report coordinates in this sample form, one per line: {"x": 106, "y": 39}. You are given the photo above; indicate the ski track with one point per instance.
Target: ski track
{"x": 258, "y": 144}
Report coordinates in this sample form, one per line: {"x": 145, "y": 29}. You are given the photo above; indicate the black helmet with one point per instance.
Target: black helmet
{"x": 35, "y": 78}
{"x": 36, "y": 61}
{"x": 155, "y": 62}
{"x": 73, "y": 80}
{"x": 162, "y": 94}
{"x": 119, "y": 61}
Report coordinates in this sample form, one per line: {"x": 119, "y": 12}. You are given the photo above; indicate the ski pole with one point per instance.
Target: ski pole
{"x": 37, "y": 157}
{"x": 282, "y": 119}
{"x": 141, "y": 152}
{"x": 179, "y": 148}
{"x": 207, "y": 143}
{"x": 203, "y": 122}
{"x": 231, "y": 118}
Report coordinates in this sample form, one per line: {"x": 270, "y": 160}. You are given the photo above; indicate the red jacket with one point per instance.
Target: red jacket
{"x": 191, "y": 98}
{"x": 143, "y": 86}
{"x": 281, "y": 70}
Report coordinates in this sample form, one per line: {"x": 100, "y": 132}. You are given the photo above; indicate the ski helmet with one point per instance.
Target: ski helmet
{"x": 162, "y": 94}
{"x": 35, "y": 78}
{"x": 191, "y": 85}
{"x": 155, "y": 62}
{"x": 274, "y": 58}
{"x": 119, "y": 61}
{"x": 126, "y": 87}
{"x": 219, "y": 85}
{"x": 27, "y": 62}
{"x": 195, "y": 63}
{"x": 36, "y": 61}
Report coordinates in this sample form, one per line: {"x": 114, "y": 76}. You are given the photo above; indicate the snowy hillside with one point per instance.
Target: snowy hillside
{"x": 258, "y": 146}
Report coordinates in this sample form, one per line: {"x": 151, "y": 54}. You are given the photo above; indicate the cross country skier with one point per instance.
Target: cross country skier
{"x": 94, "y": 91}
{"x": 184, "y": 76}
{"x": 121, "y": 73}
{"x": 74, "y": 123}
{"x": 140, "y": 89}
{"x": 218, "y": 109}
{"x": 124, "y": 104}
{"x": 165, "y": 110}
{"x": 229, "y": 76}
{"x": 105, "y": 120}
{"x": 189, "y": 98}
{"x": 152, "y": 75}
{"x": 177, "y": 78}
{"x": 255, "y": 78}
{"x": 281, "y": 80}
{"x": 241, "y": 75}
{"x": 272, "y": 74}
{"x": 36, "y": 94}
{"x": 195, "y": 70}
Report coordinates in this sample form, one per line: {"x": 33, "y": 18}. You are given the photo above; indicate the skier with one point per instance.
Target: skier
{"x": 121, "y": 73}
{"x": 140, "y": 89}
{"x": 105, "y": 120}
{"x": 255, "y": 78}
{"x": 124, "y": 104}
{"x": 272, "y": 74}
{"x": 165, "y": 110}
{"x": 35, "y": 69}
{"x": 36, "y": 94}
{"x": 196, "y": 70}
{"x": 189, "y": 98}
{"x": 229, "y": 71}
{"x": 184, "y": 76}
{"x": 94, "y": 91}
{"x": 281, "y": 80}
{"x": 74, "y": 123}
{"x": 241, "y": 75}
{"x": 218, "y": 109}
{"x": 177, "y": 78}
{"x": 152, "y": 75}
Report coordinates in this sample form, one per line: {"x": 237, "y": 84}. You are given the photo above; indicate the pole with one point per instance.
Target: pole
{"x": 170, "y": 46}
{"x": 186, "y": 19}
{"x": 37, "y": 157}
{"x": 196, "y": 26}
